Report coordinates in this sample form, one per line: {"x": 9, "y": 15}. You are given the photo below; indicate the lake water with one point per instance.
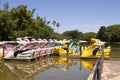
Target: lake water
{"x": 115, "y": 52}
{"x": 47, "y": 68}
{"x": 51, "y": 68}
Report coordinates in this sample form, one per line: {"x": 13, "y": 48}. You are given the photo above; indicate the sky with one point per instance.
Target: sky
{"x": 82, "y": 15}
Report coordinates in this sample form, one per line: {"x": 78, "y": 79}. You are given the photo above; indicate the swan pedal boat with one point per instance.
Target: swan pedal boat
{"x": 94, "y": 51}
{"x": 63, "y": 48}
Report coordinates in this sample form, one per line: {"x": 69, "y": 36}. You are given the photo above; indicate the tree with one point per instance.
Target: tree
{"x": 48, "y": 22}
{"x": 33, "y": 10}
{"x": 0, "y": 4}
{"x": 54, "y": 23}
{"x": 114, "y": 32}
{"x": 58, "y": 25}
{"x": 89, "y": 35}
{"x": 110, "y": 33}
{"x": 6, "y": 6}
{"x": 101, "y": 32}
{"x": 74, "y": 34}
{"x": 19, "y": 22}
{"x": 5, "y": 25}
{"x": 22, "y": 18}
{"x": 39, "y": 29}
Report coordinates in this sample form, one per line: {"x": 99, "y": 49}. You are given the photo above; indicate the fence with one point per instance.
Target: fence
{"x": 98, "y": 68}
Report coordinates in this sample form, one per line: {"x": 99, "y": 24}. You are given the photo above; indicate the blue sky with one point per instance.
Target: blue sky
{"x": 84, "y": 15}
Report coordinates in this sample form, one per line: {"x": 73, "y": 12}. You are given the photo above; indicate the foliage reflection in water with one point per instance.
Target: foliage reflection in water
{"x": 115, "y": 52}
{"x": 47, "y": 68}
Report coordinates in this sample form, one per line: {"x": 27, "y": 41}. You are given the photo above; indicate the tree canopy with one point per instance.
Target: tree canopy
{"x": 74, "y": 34}
{"x": 19, "y": 22}
{"x": 89, "y": 35}
{"x": 110, "y": 33}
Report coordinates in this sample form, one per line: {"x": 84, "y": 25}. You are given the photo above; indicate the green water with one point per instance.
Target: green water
{"x": 115, "y": 52}
{"x": 51, "y": 68}
{"x": 47, "y": 68}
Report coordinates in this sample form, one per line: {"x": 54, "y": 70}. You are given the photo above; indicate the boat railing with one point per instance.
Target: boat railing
{"x": 99, "y": 66}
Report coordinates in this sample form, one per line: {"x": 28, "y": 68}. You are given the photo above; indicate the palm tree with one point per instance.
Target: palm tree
{"x": 58, "y": 25}
{"x": 0, "y": 4}
{"x": 6, "y": 6}
{"x": 48, "y": 22}
{"x": 54, "y": 23}
{"x": 33, "y": 10}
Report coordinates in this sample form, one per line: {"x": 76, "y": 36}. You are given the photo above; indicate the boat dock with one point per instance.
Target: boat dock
{"x": 76, "y": 55}
{"x": 111, "y": 70}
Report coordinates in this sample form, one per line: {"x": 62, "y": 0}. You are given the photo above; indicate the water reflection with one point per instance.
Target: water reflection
{"x": 49, "y": 68}
{"x": 63, "y": 63}
{"x": 115, "y": 52}
{"x": 88, "y": 64}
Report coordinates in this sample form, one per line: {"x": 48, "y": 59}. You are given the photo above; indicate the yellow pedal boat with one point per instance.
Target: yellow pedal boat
{"x": 94, "y": 51}
{"x": 63, "y": 49}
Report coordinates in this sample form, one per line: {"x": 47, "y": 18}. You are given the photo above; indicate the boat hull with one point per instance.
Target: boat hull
{"x": 89, "y": 52}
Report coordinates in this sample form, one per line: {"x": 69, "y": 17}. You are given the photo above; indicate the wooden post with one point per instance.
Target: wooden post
{"x": 67, "y": 64}
{"x": 3, "y": 50}
{"x": 80, "y": 65}
{"x": 67, "y": 50}
{"x": 80, "y": 47}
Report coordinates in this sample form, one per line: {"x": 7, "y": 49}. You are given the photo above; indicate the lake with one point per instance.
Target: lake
{"x": 51, "y": 68}
{"x": 115, "y": 52}
{"x": 47, "y": 68}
